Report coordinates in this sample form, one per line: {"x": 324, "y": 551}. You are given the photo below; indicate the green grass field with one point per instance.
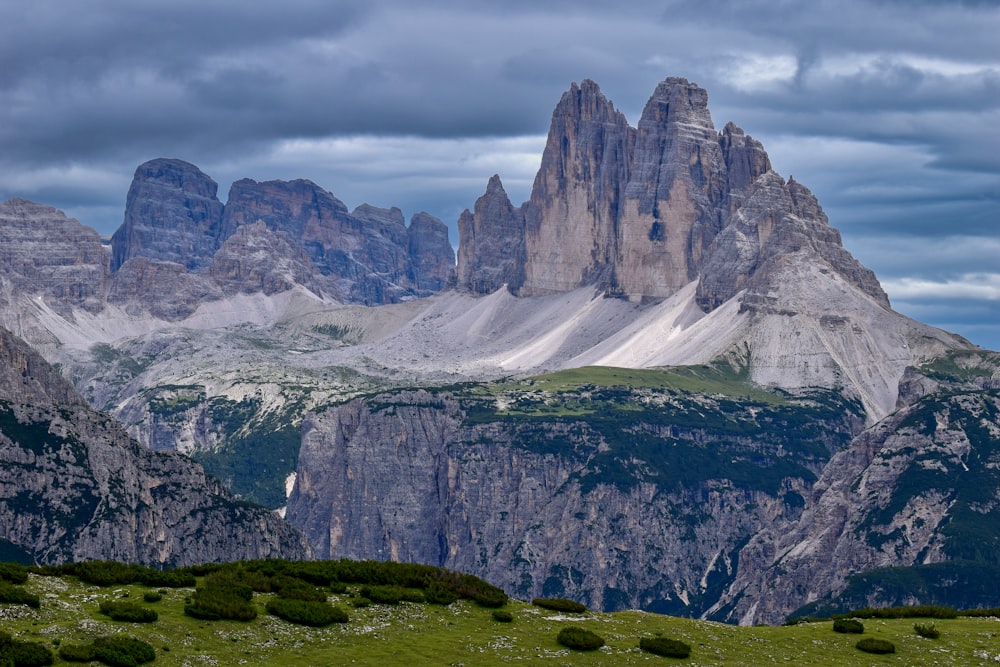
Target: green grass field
{"x": 464, "y": 633}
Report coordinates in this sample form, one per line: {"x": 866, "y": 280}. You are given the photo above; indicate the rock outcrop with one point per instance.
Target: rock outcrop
{"x": 642, "y": 212}
{"x": 44, "y": 253}
{"x": 491, "y": 254}
{"x": 172, "y": 214}
{"x": 74, "y": 486}
{"x": 644, "y": 506}
{"x": 918, "y": 488}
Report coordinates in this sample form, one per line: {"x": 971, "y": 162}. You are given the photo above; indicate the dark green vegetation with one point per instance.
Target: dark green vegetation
{"x": 676, "y": 428}
{"x": 502, "y": 616}
{"x": 877, "y": 646}
{"x": 559, "y": 604}
{"x": 848, "y": 625}
{"x": 579, "y": 639}
{"x": 115, "y": 651}
{"x": 123, "y": 610}
{"x": 306, "y": 612}
{"x": 668, "y": 648}
{"x": 418, "y": 634}
{"x": 927, "y": 630}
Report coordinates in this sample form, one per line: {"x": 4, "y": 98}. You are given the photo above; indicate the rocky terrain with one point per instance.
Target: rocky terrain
{"x": 341, "y": 361}
{"x": 76, "y": 487}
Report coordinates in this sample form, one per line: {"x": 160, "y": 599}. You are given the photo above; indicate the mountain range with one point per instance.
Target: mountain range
{"x": 661, "y": 382}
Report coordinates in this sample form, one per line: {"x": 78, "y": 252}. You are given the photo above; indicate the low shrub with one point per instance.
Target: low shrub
{"x": 361, "y": 603}
{"x": 501, "y": 616}
{"x": 391, "y": 594}
{"x": 17, "y": 595}
{"x": 212, "y": 604}
{"x": 559, "y": 604}
{"x": 915, "y": 611}
{"x": 152, "y": 596}
{"x": 306, "y": 612}
{"x": 77, "y": 652}
{"x": 878, "y": 646}
{"x": 848, "y": 626}
{"x": 579, "y": 639}
{"x": 23, "y": 654}
{"x": 129, "y": 612}
{"x": 490, "y": 597}
{"x": 13, "y": 573}
{"x": 438, "y": 593}
{"x": 926, "y": 630}
{"x": 669, "y": 648}
{"x": 123, "y": 651}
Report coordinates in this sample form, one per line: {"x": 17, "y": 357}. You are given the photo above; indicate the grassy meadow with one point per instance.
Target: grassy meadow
{"x": 464, "y": 633}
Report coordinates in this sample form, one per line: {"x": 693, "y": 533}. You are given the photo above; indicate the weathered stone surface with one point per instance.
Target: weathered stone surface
{"x": 171, "y": 215}
{"x": 165, "y": 290}
{"x": 491, "y": 243}
{"x": 432, "y": 259}
{"x": 74, "y": 486}
{"x": 571, "y": 235}
{"x": 917, "y": 488}
{"x": 257, "y": 259}
{"x": 44, "y": 253}
{"x": 362, "y": 257}
{"x": 537, "y": 506}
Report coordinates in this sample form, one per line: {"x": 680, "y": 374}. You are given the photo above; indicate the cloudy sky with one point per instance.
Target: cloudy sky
{"x": 889, "y": 110}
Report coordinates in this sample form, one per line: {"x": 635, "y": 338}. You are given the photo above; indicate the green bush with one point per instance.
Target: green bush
{"x": 152, "y": 596}
{"x": 77, "y": 652}
{"x": 123, "y": 651}
{"x": 27, "y": 654}
{"x": 559, "y": 604}
{"x": 292, "y": 588}
{"x": 130, "y": 612}
{"x": 872, "y": 645}
{"x": 502, "y": 616}
{"x": 13, "y": 573}
{"x": 579, "y": 639}
{"x": 361, "y": 603}
{"x": 490, "y": 598}
{"x": 438, "y": 593}
{"x": 926, "y": 630}
{"x": 212, "y": 604}
{"x": 391, "y": 594}
{"x": 17, "y": 595}
{"x": 670, "y": 648}
{"x": 306, "y": 612}
{"x": 915, "y": 611}
{"x": 848, "y": 625}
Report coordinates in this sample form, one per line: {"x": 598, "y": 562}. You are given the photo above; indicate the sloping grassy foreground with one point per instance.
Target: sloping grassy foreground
{"x": 464, "y": 633}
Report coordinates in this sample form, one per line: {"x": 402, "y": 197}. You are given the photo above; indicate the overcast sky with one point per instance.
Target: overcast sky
{"x": 887, "y": 109}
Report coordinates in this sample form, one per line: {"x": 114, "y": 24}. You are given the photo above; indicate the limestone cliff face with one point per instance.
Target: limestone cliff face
{"x": 642, "y": 212}
{"x": 74, "y": 486}
{"x": 172, "y": 214}
{"x": 918, "y": 488}
{"x": 44, "y": 253}
{"x": 571, "y": 231}
{"x": 366, "y": 256}
{"x": 559, "y": 507}
{"x": 491, "y": 247}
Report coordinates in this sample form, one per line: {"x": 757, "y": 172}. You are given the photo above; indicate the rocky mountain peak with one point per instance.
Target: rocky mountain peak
{"x": 491, "y": 243}
{"x": 172, "y": 214}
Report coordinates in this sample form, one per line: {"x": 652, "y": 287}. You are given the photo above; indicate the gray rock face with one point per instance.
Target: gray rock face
{"x": 550, "y": 507}
{"x": 172, "y": 214}
{"x": 491, "y": 247}
{"x": 74, "y": 486}
{"x": 572, "y": 233}
{"x": 917, "y": 488}
{"x": 643, "y": 212}
{"x": 364, "y": 257}
{"x": 42, "y": 252}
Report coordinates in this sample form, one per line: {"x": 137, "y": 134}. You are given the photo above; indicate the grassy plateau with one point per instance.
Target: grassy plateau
{"x": 464, "y": 633}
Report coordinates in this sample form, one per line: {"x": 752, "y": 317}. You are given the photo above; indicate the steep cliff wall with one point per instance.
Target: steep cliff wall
{"x": 618, "y": 497}
{"x": 74, "y": 486}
